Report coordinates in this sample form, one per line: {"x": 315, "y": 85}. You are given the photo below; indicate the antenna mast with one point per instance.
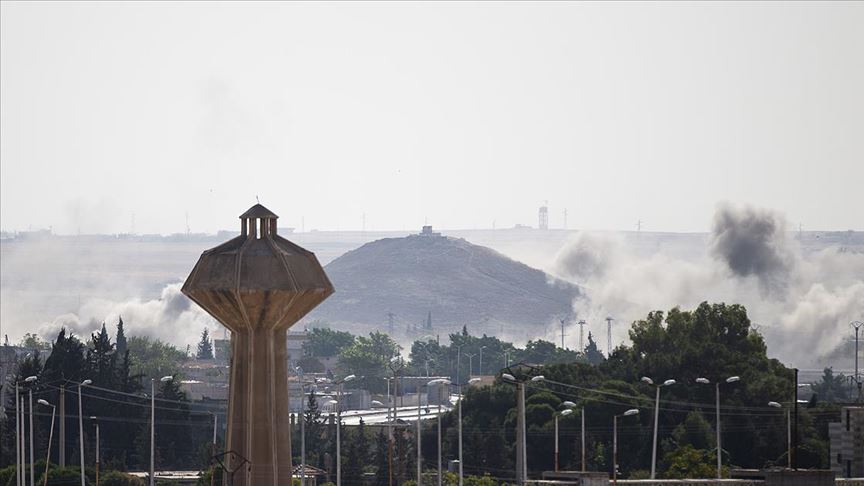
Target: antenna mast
{"x": 609, "y": 337}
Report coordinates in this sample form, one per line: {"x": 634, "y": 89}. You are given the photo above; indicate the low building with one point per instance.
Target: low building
{"x": 847, "y": 443}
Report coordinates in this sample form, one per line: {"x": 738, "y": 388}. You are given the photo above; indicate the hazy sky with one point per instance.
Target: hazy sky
{"x": 462, "y": 113}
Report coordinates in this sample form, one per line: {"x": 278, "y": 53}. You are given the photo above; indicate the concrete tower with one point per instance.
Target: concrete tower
{"x": 258, "y": 285}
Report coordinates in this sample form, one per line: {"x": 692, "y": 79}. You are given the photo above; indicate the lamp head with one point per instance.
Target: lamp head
{"x": 704, "y": 381}
{"x": 647, "y": 380}
{"x": 31, "y": 379}
{"x": 568, "y": 404}
{"x": 538, "y": 378}
{"x": 508, "y": 377}
{"x": 732, "y": 379}
{"x": 632, "y": 411}
{"x": 473, "y": 380}
{"x": 775, "y": 405}
{"x": 349, "y": 378}
{"x": 166, "y": 378}
{"x": 566, "y": 412}
{"x": 669, "y": 382}
{"x": 44, "y": 402}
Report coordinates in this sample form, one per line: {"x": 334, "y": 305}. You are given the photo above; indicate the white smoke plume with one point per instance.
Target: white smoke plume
{"x": 170, "y": 318}
{"x": 802, "y": 303}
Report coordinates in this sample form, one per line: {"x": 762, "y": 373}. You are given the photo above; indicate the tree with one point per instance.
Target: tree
{"x": 832, "y": 388}
{"x": 120, "y": 338}
{"x": 592, "y": 354}
{"x": 33, "y": 342}
{"x": 101, "y": 359}
{"x": 153, "y": 358}
{"x": 323, "y": 342}
{"x": 205, "y": 347}
{"x": 356, "y": 455}
{"x": 382, "y": 464}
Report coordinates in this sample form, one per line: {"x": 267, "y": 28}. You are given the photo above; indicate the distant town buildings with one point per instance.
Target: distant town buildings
{"x": 847, "y": 443}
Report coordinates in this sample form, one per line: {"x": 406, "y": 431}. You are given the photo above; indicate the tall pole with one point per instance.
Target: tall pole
{"x": 608, "y": 337}
{"x": 858, "y": 382}
{"x": 458, "y": 364}
{"x": 338, "y": 437}
{"x": 460, "y": 436}
{"x": 440, "y": 472}
{"x": 795, "y": 434}
{"x": 302, "y": 418}
{"x": 481, "y": 359}
{"x": 654, "y": 447}
{"x": 583, "y": 439}
{"x": 719, "y": 450}
{"x": 97, "y": 453}
{"x": 615, "y": 450}
{"x": 556, "y": 443}
{"x": 17, "y": 437}
{"x": 520, "y": 457}
{"x": 32, "y": 471}
{"x": 419, "y": 444}
{"x": 789, "y": 438}
{"x": 524, "y": 436}
{"x": 62, "y": 437}
{"x": 81, "y": 434}
{"x": 50, "y": 438}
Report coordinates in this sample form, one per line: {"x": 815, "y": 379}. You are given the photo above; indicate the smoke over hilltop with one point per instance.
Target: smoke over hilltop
{"x": 753, "y": 242}
{"x": 801, "y": 303}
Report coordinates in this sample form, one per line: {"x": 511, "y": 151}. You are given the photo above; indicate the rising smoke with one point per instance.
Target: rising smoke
{"x": 170, "y": 318}
{"x": 802, "y": 302}
{"x": 753, "y": 243}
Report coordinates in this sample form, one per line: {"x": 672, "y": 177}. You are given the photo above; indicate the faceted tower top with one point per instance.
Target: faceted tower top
{"x": 257, "y": 280}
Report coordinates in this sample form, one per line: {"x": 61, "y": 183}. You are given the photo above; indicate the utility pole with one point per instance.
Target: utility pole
{"x": 857, "y": 325}
{"x": 581, "y": 324}
{"x": 609, "y": 337}
{"x": 62, "y": 426}
{"x": 563, "y": 322}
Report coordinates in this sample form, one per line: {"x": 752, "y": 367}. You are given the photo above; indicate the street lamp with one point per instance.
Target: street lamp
{"x": 96, "y": 423}
{"x": 706, "y": 381}
{"x": 857, "y": 325}
{"x": 50, "y": 437}
{"x": 396, "y": 364}
{"x": 438, "y": 381}
{"x": 339, "y": 427}
{"x": 30, "y": 380}
{"x": 459, "y": 404}
{"x": 152, "y": 427}
{"x": 656, "y": 418}
{"x": 788, "y": 432}
{"x": 628, "y": 413}
{"x": 562, "y": 413}
{"x": 481, "y": 360}
{"x": 521, "y": 447}
{"x": 81, "y": 429}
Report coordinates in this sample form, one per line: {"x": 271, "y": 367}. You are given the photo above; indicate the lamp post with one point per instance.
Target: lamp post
{"x": 81, "y": 429}
{"x": 339, "y": 427}
{"x": 17, "y": 436}
{"x": 562, "y": 413}
{"x": 788, "y": 432}
{"x": 649, "y": 381}
{"x": 152, "y": 427}
{"x": 706, "y": 381}
{"x": 459, "y": 404}
{"x": 857, "y": 325}
{"x": 96, "y": 423}
{"x": 481, "y": 360}
{"x": 521, "y": 447}
{"x": 396, "y": 364}
{"x": 438, "y": 381}
{"x": 628, "y": 413}
{"x": 30, "y": 380}
{"x": 50, "y": 437}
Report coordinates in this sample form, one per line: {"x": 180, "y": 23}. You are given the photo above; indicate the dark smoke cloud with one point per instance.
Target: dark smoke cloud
{"x": 753, "y": 243}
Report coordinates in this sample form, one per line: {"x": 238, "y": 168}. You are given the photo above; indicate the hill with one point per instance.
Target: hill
{"x": 459, "y": 283}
